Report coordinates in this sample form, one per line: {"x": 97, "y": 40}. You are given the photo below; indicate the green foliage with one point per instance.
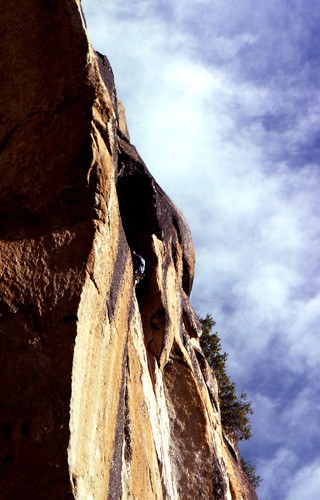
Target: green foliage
{"x": 250, "y": 471}
{"x": 235, "y": 410}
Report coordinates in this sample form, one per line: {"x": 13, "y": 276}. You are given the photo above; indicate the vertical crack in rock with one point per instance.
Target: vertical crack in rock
{"x": 115, "y": 482}
{"x": 117, "y": 276}
{"x": 127, "y": 431}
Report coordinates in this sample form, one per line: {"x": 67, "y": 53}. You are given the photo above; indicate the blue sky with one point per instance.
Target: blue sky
{"x": 222, "y": 101}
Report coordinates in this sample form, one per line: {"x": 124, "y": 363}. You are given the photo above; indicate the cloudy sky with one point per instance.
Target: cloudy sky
{"x": 222, "y": 100}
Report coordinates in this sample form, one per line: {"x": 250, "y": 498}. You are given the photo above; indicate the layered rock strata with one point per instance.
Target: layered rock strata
{"x": 105, "y": 392}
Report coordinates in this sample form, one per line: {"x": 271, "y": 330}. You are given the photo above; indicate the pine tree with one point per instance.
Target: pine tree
{"x": 250, "y": 471}
{"x": 235, "y": 410}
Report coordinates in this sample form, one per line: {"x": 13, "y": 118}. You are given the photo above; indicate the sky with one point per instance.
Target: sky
{"x": 222, "y": 101}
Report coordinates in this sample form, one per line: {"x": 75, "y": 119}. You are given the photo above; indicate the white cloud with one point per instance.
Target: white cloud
{"x": 305, "y": 484}
{"x": 277, "y": 475}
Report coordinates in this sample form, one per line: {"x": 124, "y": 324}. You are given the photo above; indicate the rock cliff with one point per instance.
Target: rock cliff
{"x": 104, "y": 392}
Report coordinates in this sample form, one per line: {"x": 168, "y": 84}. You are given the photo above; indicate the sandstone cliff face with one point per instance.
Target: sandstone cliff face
{"x": 105, "y": 392}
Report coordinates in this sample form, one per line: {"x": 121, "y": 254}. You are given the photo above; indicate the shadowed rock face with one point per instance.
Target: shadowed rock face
{"x": 105, "y": 392}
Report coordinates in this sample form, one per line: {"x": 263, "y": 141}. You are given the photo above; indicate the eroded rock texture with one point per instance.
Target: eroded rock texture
{"x": 104, "y": 390}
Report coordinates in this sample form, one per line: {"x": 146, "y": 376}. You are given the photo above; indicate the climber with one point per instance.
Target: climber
{"x": 139, "y": 266}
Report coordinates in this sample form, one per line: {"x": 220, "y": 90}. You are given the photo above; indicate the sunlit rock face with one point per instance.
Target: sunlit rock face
{"x": 105, "y": 392}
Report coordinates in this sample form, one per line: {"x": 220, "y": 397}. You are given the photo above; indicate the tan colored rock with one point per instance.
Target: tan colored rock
{"x": 105, "y": 392}
{"x": 122, "y": 120}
